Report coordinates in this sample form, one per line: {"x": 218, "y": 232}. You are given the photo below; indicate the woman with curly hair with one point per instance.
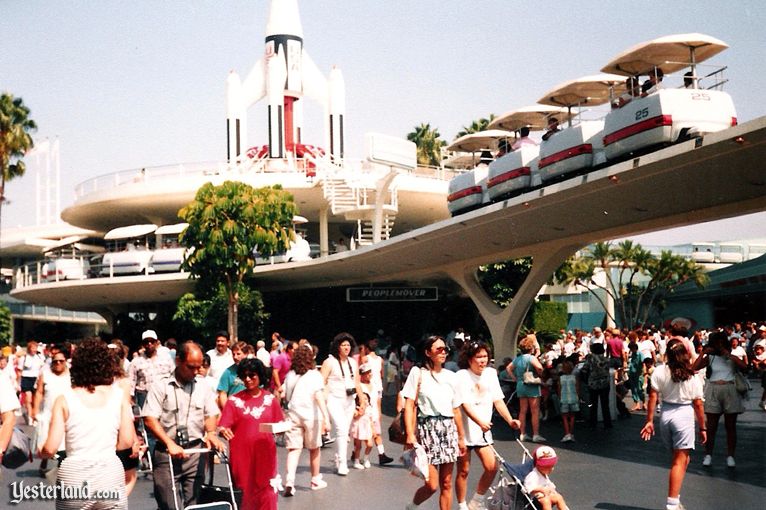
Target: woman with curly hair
{"x": 95, "y": 417}
{"x": 253, "y": 453}
{"x": 306, "y": 409}
{"x": 681, "y": 403}
{"x": 479, "y": 390}
{"x": 529, "y": 394}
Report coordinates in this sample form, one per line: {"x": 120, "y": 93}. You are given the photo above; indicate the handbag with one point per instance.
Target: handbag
{"x": 741, "y": 383}
{"x": 397, "y": 431}
{"x": 19, "y": 450}
{"x": 530, "y": 378}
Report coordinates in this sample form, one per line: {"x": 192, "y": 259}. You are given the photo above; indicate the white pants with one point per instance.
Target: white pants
{"x": 341, "y": 412}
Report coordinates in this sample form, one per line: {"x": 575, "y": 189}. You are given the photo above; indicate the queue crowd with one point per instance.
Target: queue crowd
{"x": 102, "y": 416}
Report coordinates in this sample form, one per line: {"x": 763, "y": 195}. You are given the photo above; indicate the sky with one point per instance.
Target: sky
{"x": 137, "y": 84}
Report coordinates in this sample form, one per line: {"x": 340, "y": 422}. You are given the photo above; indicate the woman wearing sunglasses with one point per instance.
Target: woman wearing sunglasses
{"x": 479, "y": 391}
{"x": 433, "y": 419}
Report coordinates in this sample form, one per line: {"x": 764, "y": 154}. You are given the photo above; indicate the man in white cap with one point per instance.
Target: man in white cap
{"x": 144, "y": 370}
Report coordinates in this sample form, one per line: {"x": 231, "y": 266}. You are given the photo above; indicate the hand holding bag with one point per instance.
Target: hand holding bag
{"x": 397, "y": 431}
{"x": 529, "y": 378}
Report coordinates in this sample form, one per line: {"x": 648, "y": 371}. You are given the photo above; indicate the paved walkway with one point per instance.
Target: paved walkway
{"x": 612, "y": 470}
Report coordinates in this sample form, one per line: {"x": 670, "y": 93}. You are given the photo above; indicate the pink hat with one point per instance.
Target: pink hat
{"x": 545, "y": 456}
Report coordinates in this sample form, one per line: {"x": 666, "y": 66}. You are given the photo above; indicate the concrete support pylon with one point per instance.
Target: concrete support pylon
{"x": 504, "y": 323}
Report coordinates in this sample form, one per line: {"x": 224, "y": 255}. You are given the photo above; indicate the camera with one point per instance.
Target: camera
{"x": 350, "y": 391}
{"x": 182, "y": 436}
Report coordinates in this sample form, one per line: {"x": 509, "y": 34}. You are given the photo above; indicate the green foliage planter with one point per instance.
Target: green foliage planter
{"x": 547, "y": 316}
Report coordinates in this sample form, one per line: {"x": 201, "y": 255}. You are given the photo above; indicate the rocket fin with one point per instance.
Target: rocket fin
{"x": 314, "y": 82}
{"x": 254, "y": 86}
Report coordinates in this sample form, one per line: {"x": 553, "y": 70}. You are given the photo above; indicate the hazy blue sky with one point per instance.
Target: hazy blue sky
{"x": 141, "y": 83}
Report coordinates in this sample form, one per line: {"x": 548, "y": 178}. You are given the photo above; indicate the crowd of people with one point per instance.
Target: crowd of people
{"x": 100, "y": 414}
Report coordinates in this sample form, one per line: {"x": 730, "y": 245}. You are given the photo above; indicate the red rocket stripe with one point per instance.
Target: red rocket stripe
{"x": 571, "y": 152}
{"x": 464, "y": 193}
{"x": 639, "y": 127}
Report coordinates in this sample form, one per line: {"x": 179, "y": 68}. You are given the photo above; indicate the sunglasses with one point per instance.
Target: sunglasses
{"x": 249, "y": 376}
{"x": 440, "y": 350}
{"x": 58, "y": 361}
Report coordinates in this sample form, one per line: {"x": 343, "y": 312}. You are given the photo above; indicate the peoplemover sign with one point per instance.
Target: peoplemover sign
{"x": 368, "y": 294}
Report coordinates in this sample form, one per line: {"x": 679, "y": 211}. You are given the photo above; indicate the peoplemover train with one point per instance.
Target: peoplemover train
{"x": 677, "y": 102}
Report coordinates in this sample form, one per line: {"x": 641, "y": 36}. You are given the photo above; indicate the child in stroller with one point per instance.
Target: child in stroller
{"x": 538, "y": 484}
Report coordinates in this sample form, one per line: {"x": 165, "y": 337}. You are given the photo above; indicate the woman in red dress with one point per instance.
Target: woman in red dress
{"x": 253, "y": 453}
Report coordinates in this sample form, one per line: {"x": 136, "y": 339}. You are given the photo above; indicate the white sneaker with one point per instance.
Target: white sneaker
{"x": 476, "y": 505}
{"x": 343, "y": 469}
{"x": 522, "y": 437}
{"x": 358, "y": 465}
{"x": 566, "y": 438}
{"x": 367, "y": 464}
{"x": 707, "y": 461}
{"x": 730, "y": 462}
{"x": 317, "y": 483}
{"x": 537, "y": 438}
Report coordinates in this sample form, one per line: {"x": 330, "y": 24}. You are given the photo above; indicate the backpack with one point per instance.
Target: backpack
{"x": 598, "y": 376}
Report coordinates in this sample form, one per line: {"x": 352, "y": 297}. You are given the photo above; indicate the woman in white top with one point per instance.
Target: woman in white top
{"x": 341, "y": 377}
{"x": 681, "y": 404}
{"x": 433, "y": 419}
{"x": 721, "y": 395}
{"x": 306, "y": 409}
{"x": 95, "y": 418}
{"x": 478, "y": 388}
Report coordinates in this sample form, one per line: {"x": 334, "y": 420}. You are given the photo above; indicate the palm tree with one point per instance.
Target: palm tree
{"x": 476, "y": 126}
{"x": 429, "y": 144}
{"x": 15, "y": 140}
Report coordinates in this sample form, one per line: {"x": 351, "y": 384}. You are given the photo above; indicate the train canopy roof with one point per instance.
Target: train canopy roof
{"x": 535, "y": 117}
{"x": 589, "y": 90}
{"x": 670, "y": 53}
{"x": 479, "y": 141}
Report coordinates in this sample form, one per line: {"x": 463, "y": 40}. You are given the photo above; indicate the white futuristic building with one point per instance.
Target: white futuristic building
{"x": 344, "y": 201}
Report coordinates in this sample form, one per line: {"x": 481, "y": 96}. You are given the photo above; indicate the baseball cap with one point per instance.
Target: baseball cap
{"x": 149, "y": 333}
{"x": 364, "y": 368}
{"x": 545, "y": 456}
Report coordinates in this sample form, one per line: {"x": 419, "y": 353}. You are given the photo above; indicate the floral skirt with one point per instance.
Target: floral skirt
{"x": 438, "y": 436}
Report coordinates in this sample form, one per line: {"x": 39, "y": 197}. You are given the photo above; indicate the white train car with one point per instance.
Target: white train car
{"x": 468, "y": 190}
{"x": 130, "y": 250}
{"x": 511, "y": 174}
{"x": 662, "y": 115}
{"x": 169, "y": 254}
{"x": 579, "y": 146}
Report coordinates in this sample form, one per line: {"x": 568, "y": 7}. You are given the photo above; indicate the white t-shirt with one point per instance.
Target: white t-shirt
{"x": 263, "y": 355}
{"x": 8, "y": 399}
{"x": 536, "y": 480}
{"x": 676, "y": 392}
{"x": 301, "y": 391}
{"x": 375, "y": 363}
{"x": 480, "y": 392}
{"x": 646, "y": 348}
{"x": 219, "y": 363}
{"x": 438, "y": 394}
{"x": 31, "y": 365}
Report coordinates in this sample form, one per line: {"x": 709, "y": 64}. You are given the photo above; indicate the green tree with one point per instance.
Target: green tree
{"x": 227, "y": 224}
{"x": 476, "y": 126}
{"x": 429, "y": 144}
{"x": 15, "y": 140}
{"x": 503, "y": 279}
{"x": 638, "y": 280}
{"x": 202, "y": 313}
{"x": 6, "y": 322}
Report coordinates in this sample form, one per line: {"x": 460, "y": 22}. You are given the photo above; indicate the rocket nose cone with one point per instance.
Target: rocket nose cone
{"x": 284, "y": 18}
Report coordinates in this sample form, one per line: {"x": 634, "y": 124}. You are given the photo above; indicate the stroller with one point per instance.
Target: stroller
{"x": 508, "y": 492}
{"x": 212, "y": 497}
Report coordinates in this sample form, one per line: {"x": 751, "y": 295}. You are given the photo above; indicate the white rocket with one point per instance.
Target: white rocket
{"x": 285, "y": 75}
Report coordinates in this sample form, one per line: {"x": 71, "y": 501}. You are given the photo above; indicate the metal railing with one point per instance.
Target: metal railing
{"x": 150, "y": 174}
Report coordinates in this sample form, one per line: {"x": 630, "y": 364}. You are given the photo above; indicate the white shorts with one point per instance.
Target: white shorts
{"x": 677, "y": 426}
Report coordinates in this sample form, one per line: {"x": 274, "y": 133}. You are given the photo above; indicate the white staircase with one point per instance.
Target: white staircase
{"x": 359, "y": 202}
